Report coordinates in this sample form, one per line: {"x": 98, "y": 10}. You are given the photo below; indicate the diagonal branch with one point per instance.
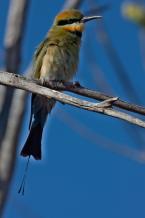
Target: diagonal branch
{"x": 80, "y": 90}
{"x": 20, "y": 82}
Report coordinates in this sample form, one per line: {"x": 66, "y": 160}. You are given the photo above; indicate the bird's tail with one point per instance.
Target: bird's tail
{"x": 40, "y": 109}
{"x": 32, "y": 145}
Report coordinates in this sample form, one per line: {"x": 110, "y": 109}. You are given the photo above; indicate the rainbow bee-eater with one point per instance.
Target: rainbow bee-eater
{"x": 56, "y": 59}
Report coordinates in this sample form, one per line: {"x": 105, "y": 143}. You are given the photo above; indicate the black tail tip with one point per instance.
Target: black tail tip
{"x": 33, "y": 143}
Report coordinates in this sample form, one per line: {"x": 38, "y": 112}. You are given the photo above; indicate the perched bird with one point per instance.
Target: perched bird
{"x": 56, "y": 58}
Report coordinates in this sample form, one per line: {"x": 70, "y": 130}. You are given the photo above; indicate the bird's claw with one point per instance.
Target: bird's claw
{"x": 56, "y": 84}
{"x": 42, "y": 81}
{"x": 72, "y": 85}
{"x": 53, "y": 84}
{"x": 77, "y": 84}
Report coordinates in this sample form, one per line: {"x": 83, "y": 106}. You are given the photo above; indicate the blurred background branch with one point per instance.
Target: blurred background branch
{"x": 120, "y": 73}
{"x": 12, "y": 106}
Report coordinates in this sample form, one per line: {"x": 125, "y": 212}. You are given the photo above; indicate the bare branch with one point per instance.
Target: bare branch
{"x": 20, "y": 82}
{"x": 100, "y": 96}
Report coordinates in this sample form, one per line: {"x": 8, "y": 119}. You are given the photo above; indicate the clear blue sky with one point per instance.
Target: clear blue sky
{"x": 77, "y": 177}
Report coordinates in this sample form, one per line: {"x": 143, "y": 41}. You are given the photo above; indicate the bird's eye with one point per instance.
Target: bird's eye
{"x": 67, "y": 21}
{"x": 61, "y": 22}
{"x": 73, "y": 20}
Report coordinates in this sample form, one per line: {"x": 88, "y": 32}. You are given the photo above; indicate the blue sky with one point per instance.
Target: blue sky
{"x": 78, "y": 177}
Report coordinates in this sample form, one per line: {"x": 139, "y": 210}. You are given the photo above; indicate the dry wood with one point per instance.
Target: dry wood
{"x": 20, "y": 82}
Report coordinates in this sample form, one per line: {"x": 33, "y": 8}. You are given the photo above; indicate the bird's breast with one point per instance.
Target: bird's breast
{"x": 60, "y": 62}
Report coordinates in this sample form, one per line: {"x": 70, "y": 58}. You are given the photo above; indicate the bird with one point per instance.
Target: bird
{"x": 55, "y": 59}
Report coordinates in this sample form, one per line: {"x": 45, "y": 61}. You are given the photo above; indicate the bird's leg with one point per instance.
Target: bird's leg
{"x": 107, "y": 103}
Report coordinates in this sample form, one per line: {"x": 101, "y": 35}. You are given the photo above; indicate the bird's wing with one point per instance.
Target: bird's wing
{"x": 38, "y": 58}
{"x": 37, "y": 63}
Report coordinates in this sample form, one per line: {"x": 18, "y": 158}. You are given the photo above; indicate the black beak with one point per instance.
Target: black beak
{"x": 86, "y": 19}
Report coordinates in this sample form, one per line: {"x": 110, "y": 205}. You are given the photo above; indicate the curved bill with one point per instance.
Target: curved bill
{"x": 86, "y": 19}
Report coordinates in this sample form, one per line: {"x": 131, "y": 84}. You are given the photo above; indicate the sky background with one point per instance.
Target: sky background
{"x": 78, "y": 177}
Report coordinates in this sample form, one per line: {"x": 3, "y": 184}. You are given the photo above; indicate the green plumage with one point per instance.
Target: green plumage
{"x": 56, "y": 58}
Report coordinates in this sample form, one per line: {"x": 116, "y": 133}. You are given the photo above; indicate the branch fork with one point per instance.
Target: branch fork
{"x": 107, "y": 103}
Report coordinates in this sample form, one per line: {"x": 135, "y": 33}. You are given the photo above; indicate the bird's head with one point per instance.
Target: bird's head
{"x": 72, "y": 20}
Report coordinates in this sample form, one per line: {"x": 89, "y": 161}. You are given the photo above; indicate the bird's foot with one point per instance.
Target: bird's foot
{"x": 72, "y": 85}
{"x": 53, "y": 84}
{"x": 60, "y": 84}
{"x": 42, "y": 81}
{"x": 107, "y": 103}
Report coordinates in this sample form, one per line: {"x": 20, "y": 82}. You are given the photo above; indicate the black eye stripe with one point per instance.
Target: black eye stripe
{"x": 68, "y": 21}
